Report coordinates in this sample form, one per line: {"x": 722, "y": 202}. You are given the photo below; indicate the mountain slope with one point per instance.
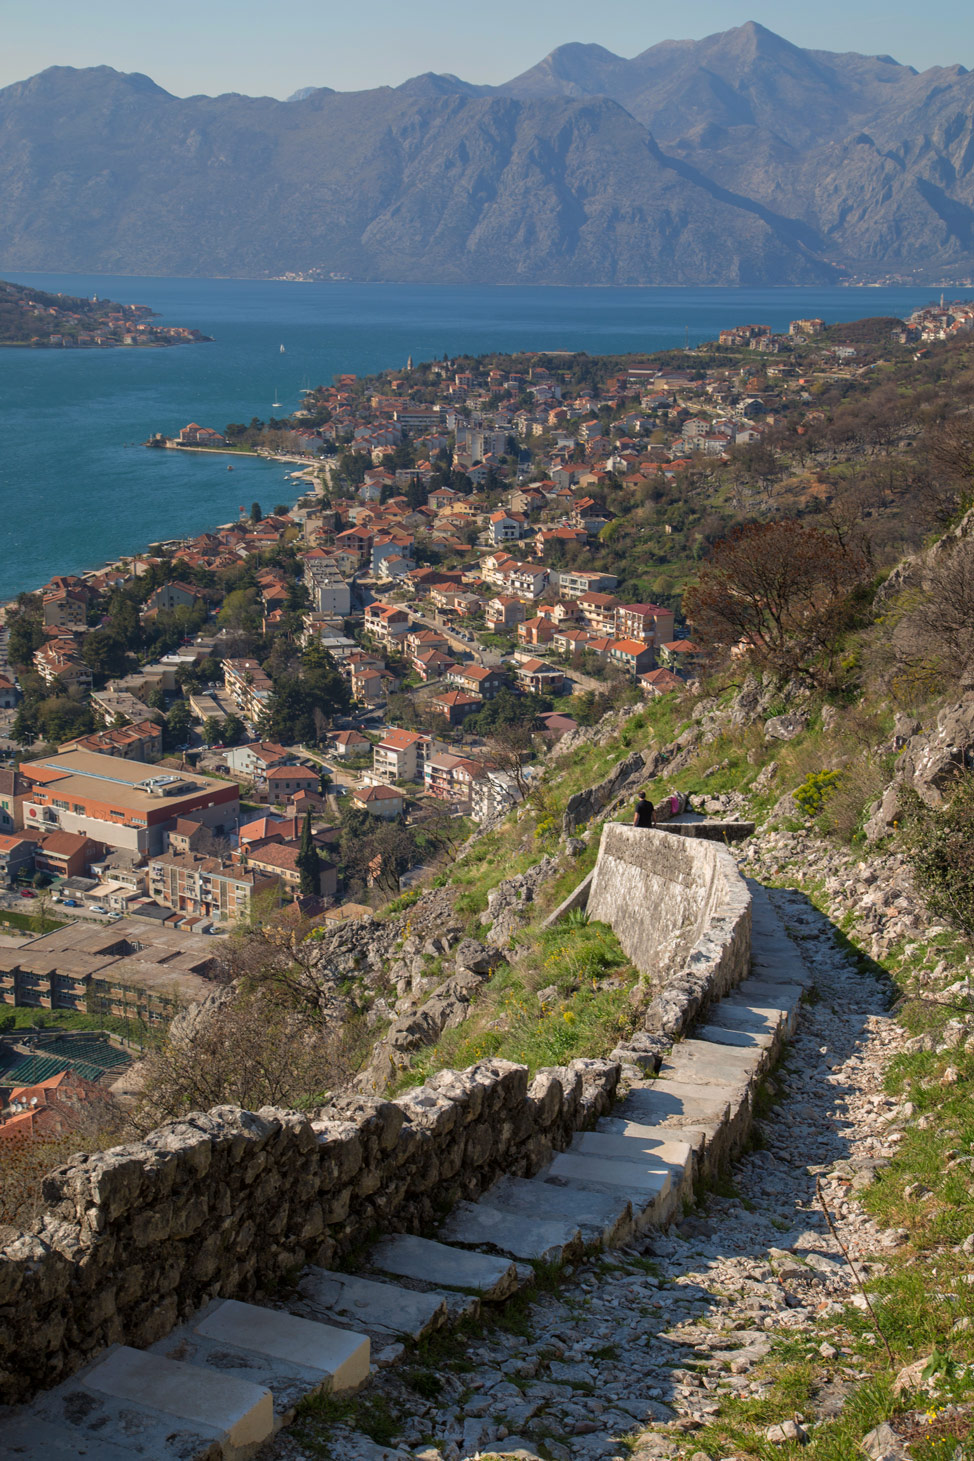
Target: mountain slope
{"x": 97, "y": 171}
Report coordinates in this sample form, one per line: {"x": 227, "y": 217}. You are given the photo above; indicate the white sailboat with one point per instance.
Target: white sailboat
{"x": 283, "y": 350}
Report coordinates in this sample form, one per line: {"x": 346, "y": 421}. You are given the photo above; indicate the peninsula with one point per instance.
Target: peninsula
{"x": 63, "y": 321}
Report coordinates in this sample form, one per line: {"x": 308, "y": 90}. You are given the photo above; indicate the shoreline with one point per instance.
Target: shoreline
{"x": 8, "y": 605}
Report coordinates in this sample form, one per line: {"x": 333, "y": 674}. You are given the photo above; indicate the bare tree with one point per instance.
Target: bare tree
{"x": 782, "y": 591}
{"x": 249, "y": 1051}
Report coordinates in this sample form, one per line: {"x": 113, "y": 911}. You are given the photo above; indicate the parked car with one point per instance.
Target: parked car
{"x": 98, "y": 908}
{"x": 27, "y": 893}
{"x": 70, "y": 902}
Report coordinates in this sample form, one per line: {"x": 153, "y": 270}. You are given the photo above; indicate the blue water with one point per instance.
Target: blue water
{"x": 75, "y": 491}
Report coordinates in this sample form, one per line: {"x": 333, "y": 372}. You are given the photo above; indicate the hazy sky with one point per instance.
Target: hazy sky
{"x": 265, "y": 48}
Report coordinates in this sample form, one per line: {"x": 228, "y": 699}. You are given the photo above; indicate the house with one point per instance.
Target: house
{"x": 386, "y": 622}
{"x": 679, "y": 654}
{"x": 349, "y": 743}
{"x": 50, "y": 1108}
{"x": 536, "y": 631}
{"x": 67, "y": 854}
{"x": 505, "y": 527}
{"x": 431, "y": 664}
{"x": 280, "y": 859}
{"x": 570, "y": 641}
{"x": 65, "y": 608}
{"x": 660, "y": 682}
{"x": 210, "y": 887}
{"x": 504, "y": 612}
{"x": 534, "y": 676}
{"x": 270, "y": 829}
{"x": 456, "y": 705}
{"x": 492, "y": 795}
{"x": 171, "y": 596}
{"x": 9, "y": 693}
{"x": 188, "y": 834}
{"x": 451, "y": 777}
{"x": 649, "y": 622}
{"x": 249, "y": 687}
{"x": 16, "y": 856}
{"x": 195, "y": 435}
{"x": 528, "y": 580}
{"x": 634, "y": 656}
{"x": 379, "y": 801}
{"x": 598, "y": 612}
{"x": 574, "y": 582}
{"x": 59, "y": 660}
{"x": 477, "y": 680}
{"x": 555, "y": 725}
{"x": 284, "y": 781}
{"x": 257, "y": 758}
{"x": 400, "y": 755}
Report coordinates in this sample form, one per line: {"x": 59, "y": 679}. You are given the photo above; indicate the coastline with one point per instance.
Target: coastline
{"x": 8, "y": 605}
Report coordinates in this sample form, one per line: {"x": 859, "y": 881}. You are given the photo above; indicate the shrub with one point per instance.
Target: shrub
{"x": 940, "y": 850}
{"x": 815, "y": 790}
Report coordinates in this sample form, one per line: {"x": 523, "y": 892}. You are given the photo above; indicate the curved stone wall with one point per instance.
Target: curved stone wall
{"x": 229, "y": 1203}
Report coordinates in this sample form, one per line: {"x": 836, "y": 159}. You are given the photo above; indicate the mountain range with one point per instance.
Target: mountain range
{"x": 738, "y": 159}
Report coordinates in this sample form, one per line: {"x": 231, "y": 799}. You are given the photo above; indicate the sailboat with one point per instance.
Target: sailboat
{"x": 275, "y": 402}
{"x": 283, "y": 350}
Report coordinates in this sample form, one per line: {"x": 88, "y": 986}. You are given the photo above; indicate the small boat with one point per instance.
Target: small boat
{"x": 283, "y": 352}
{"x": 229, "y": 468}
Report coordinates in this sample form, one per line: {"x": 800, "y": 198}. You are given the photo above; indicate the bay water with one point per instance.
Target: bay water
{"x": 78, "y": 488}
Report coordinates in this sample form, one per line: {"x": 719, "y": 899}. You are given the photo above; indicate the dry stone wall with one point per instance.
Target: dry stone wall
{"x": 231, "y": 1203}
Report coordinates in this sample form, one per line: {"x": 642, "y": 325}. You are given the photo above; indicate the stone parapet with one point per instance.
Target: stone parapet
{"x": 231, "y": 1204}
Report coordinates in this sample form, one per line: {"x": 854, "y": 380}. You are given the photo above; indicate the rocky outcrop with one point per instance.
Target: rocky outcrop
{"x": 930, "y": 762}
{"x": 585, "y": 805}
{"x": 508, "y": 905}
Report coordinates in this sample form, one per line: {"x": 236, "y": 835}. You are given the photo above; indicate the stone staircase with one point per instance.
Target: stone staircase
{"x": 220, "y": 1385}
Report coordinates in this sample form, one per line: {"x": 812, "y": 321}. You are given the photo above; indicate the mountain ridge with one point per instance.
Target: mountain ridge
{"x": 739, "y": 158}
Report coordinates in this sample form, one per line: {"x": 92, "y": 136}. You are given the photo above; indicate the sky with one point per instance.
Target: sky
{"x": 263, "y": 48}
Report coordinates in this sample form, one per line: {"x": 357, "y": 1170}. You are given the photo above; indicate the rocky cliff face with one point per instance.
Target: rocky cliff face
{"x": 740, "y": 159}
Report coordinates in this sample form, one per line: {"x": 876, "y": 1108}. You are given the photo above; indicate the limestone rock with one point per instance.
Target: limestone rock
{"x": 785, "y": 727}
{"x": 883, "y": 1444}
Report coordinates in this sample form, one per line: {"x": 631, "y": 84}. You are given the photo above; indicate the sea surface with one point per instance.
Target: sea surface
{"x": 77, "y": 488}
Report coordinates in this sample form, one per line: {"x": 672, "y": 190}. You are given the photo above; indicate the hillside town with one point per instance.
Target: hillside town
{"x": 312, "y": 707}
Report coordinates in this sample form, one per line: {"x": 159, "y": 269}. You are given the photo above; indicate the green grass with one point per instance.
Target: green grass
{"x": 27, "y": 922}
{"x": 588, "y": 1009}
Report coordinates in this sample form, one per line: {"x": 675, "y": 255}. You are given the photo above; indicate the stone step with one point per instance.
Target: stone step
{"x": 380, "y": 1310}
{"x": 161, "y": 1408}
{"x": 25, "y": 1437}
{"x": 650, "y": 1154}
{"x": 703, "y": 1062}
{"x": 603, "y": 1219}
{"x": 534, "y": 1239}
{"x": 743, "y": 1014}
{"x": 741, "y": 1039}
{"x": 693, "y": 1138}
{"x": 678, "y": 1103}
{"x": 652, "y": 1194}
{"x": 428, "y": 1262}
{"x": 292, "y": 1357}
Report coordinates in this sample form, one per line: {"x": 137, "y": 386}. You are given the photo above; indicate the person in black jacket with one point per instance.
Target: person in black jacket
{"x": 645, "y": 812}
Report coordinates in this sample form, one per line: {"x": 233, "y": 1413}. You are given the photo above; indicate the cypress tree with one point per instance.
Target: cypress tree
{"x": 308, "y": 864}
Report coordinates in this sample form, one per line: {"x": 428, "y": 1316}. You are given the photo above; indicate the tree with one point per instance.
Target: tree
{"x": 309, "y": 864}
{"x": 256, "y": 514}
{"x": 178, "y": 723}
{"x": 784, "y": 591}
{"x": 234, "y": 730}
{"x": 212, "y": 730}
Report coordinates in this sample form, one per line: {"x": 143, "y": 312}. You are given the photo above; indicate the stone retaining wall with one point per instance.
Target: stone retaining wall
{"x": 229, "y": 1203}
{"x": 682, "y": 913}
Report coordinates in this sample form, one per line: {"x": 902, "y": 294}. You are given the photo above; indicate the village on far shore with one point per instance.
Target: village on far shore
{"x": 310, "y": 707}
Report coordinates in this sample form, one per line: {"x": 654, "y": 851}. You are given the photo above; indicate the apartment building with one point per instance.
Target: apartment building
{"x": 648, "y": 622}
{"x": 400, "y": 756}
{"x": 209, "y": 887}
{"x": 330, "y": 594}
{"x": 248, "y": 686}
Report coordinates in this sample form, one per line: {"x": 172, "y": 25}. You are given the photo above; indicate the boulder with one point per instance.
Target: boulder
{"x": 785, "y": 727}
{"x": 931, "y": 763}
